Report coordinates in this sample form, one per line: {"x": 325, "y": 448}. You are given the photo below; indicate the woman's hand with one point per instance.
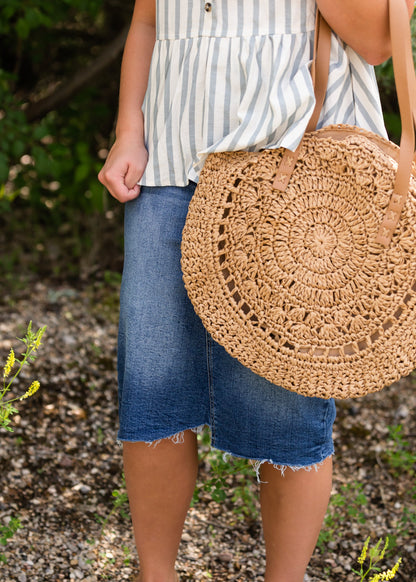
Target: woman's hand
{"x": 124, "y": 167}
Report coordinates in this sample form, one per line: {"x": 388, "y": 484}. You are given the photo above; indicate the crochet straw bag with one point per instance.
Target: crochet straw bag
{"x": 303, "y": 264}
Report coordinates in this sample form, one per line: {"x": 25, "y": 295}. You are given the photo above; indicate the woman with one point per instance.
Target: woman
{"x": 199, "y": 77}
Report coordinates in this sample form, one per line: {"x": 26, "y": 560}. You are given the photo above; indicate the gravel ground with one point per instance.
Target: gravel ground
{"x": 61, "y": 468}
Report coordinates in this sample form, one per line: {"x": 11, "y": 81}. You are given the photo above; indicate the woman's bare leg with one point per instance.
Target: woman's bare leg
{"x": 293, "y": 507}
{"x": 160, "y": 483}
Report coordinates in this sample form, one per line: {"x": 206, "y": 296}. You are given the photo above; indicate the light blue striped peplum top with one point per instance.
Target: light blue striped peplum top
{"x": 235, "y": 75}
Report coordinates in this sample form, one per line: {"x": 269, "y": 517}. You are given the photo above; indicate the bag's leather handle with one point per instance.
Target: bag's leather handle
{"x": 320, "y": 67}
{"x": 406, "y": 91}
{"x": 319, "y": 73}
{"x": 404, "y": 75}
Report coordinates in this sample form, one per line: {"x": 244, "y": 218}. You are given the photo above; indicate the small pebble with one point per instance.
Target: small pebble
{"x": 84, "y": 489}
{"x": 225, "y": 557}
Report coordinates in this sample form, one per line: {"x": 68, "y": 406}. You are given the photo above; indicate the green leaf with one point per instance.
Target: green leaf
{"x": 4, "y": 167}
{"x": 18, "y": 148}
{"x": 22, "y": 28}
{"x": 41, "y": 131}
{"x": 81, "y": 173}
{"x": 42, "y": 161}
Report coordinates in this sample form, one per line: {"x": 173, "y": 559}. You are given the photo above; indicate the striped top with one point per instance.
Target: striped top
{"x": 235, "y": 75}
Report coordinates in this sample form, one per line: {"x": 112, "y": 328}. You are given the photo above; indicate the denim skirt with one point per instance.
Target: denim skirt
{"x": 173, "y": 376}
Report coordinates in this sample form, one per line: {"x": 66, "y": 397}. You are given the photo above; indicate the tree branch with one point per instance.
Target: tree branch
{"x": 64, "y": 91}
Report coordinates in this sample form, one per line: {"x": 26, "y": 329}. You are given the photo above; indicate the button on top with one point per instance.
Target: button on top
{"x": 208, "y": 6}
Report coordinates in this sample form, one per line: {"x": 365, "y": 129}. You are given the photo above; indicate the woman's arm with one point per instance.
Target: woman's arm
{"x": 127, "y": 159}
{"x": 362, "y": 24}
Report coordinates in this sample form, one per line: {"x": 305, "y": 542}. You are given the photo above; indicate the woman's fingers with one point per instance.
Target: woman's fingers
{"x": 113, "y": 177}
{"x": 120, "y": 174}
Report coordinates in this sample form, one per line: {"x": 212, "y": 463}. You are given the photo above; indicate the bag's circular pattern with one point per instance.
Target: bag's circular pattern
{"x": 292, "y": 283}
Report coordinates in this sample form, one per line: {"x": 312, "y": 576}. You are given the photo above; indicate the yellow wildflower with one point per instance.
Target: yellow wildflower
{"x": 389, "y": 575}
{"x": 37, "y": 341}
{"x": 9, "y": 364}
{"x": 383, "y": 551}
{"x": 361, "y": 559}
{"x": 34, "y": 387}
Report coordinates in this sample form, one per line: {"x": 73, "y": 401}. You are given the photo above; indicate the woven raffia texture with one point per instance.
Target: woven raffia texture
{"x": 292, "y": 283}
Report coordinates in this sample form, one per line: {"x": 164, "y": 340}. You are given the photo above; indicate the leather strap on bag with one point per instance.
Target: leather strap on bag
{"x": 320, "y": 67}
{"x": 406, "y": 92}
{"x": 404, "y": 74}
{"x": 319, "y": 73}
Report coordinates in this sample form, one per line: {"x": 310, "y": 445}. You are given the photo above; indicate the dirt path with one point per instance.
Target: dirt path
{"x": 61, "y": 465}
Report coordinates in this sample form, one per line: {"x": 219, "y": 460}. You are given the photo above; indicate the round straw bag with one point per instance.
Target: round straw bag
{"x": 303, "y": 264}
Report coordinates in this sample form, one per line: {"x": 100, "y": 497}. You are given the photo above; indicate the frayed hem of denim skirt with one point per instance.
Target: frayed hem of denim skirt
{"x": 178, "y": 438}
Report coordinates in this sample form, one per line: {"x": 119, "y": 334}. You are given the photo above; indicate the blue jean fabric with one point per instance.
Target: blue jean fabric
{"x": 173, "y": 376}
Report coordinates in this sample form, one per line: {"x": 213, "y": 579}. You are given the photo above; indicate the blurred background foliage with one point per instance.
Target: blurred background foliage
{"x": 59, "y": 72}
